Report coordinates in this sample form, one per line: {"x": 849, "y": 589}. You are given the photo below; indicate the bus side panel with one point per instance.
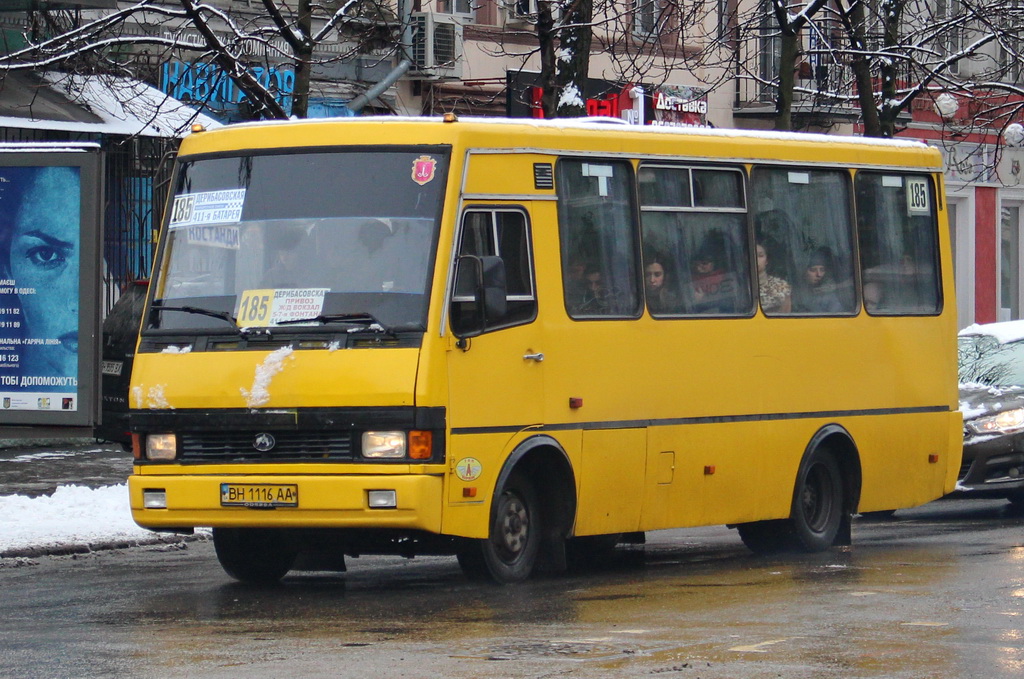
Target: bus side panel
{"x": 896, "y": 458}
{"x": 474, "y": 464}
{"x": 468, "y": 500}
{"x": 717, "y": 475}
{"x": 611, "y": 481}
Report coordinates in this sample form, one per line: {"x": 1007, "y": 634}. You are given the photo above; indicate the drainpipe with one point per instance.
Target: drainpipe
{"x": 357, "y": 104}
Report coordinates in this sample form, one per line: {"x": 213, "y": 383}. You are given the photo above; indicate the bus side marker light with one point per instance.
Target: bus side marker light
{"x": 154, "y": 498}
{"x": 575, "y": 402}
{"x": 420, "y": 445}
{"x": 382, "y": 499}
{"x": 709, "y": 469}
{"x": 469, "y": 492}
{"x": 933, "y": 458}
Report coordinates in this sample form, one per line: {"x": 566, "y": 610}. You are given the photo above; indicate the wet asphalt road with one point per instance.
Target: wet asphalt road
{"x": 38, "y": 470}
{"x": 937, "y": 592}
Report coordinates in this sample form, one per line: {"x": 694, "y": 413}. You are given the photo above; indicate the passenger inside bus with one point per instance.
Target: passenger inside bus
{"x": 659, "y": 285}
{"x": 775, "y": 292}
{"x": 817, "y": 292}
{"x": 287, "y": 269}
{"x": 575, "y": 280}
{"x": 713, "y": 288}
{"x": 596, "y": 297}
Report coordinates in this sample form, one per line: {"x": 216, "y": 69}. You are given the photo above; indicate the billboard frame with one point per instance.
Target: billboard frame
{"x": 89, "y": 161}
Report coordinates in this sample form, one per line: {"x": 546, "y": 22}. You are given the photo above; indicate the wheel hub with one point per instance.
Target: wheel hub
{"x": 515, "y": 526}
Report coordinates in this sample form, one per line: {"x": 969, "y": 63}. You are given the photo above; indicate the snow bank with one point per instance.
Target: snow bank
{"x": 74, "y": 516}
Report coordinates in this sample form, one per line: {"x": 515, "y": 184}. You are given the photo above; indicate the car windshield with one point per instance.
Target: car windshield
{"x": 984, "y": 360}
{"x": 301, "y": 239}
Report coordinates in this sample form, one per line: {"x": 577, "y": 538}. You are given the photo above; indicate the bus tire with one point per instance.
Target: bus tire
{"x": 766, "y": 537}
{"x": 818, "y": 504}
{"x": 253, "y": 555}
{"x": 509, "y": 554}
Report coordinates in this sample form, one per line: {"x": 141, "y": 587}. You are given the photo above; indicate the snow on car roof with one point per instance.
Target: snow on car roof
{"x": 1007, "y": 331}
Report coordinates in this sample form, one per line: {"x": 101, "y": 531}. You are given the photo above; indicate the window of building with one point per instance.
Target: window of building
{"x": 696, "y": 260}
{"x": 951, "y": 36}
{"x": 803, "y": 235}
{"x": 1010, "y": 243}
{"x": 898, "y": 231}
{"x": 597, "y": 226}
{"x": 646, "y": 15}
{"x": 462, "y": 7}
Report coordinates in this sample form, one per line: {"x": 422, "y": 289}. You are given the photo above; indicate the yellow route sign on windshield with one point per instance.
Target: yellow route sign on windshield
{"x": 271, "y": 306}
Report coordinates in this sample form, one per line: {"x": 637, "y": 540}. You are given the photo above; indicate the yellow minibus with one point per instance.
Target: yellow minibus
{"x": 521, "y": 342}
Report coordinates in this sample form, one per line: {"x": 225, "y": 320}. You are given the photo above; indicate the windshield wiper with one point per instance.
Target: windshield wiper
{"x": 361, "y": 317}
{"x": 223, "y": 315}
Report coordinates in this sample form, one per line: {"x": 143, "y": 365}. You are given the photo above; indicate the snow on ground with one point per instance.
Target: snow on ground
{"x": 73, "y": 517}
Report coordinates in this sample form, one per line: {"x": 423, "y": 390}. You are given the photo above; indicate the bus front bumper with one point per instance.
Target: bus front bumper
{"x": 297, "y": 501}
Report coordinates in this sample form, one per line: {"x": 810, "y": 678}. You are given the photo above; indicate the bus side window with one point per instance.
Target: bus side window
{"x": 503, "y": 234}
{"x": 695, "y": 241}
{"x": 897, "y": 226}
{"x": 804, "y": 236}
{"x": 597, "y": 225}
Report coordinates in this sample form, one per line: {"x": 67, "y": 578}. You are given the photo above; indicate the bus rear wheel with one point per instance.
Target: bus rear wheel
{"x": 509, "y": 554}
{"x": 815, "y": 515}
{"x": 818, "y": 503}
{"x": 256, "y": 556}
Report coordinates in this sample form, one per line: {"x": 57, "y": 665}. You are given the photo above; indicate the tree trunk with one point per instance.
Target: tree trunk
{"x": 303, "y": 61}
{"x": 893, "y": 14}
{"x": 855, "y": 27}
{"x": 787, "y": 75}
{"x": 546, "y": 41}
{"x": 573, "y": 64}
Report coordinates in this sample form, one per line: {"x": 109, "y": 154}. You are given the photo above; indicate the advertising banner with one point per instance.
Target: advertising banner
{"x": 49, "y": 283}
{"x": 664, "y": 105}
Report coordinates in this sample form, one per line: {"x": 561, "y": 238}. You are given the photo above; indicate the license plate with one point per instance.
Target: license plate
{"x": 259, "y": 495}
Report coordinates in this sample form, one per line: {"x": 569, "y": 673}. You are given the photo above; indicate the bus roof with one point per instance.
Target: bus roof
{"x": 597, "y": 134}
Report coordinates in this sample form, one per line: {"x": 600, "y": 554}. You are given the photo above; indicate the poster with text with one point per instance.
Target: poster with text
{"x": 40, "y": 264}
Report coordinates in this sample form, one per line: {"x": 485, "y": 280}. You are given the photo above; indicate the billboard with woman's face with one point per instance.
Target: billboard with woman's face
{"x": 49, "y": 285}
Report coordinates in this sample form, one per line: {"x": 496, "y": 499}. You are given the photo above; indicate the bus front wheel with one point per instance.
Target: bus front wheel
{"x": 509, "y": 554}
{"x": 253, "y": 555}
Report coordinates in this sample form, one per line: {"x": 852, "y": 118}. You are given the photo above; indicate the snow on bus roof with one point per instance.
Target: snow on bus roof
{"x": 610, "y": 123}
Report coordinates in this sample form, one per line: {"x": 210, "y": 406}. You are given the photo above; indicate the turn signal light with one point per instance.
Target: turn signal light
{"x": 421, "y": 445}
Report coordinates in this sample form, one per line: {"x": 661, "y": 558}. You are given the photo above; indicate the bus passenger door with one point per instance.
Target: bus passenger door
{"x": 495, "y": 368}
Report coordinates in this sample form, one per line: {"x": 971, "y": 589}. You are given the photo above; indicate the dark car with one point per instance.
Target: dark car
{"x": 991, "y": 359}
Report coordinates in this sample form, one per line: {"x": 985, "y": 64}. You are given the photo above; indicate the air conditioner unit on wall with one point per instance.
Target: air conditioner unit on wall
{"x": 436, "y": 46}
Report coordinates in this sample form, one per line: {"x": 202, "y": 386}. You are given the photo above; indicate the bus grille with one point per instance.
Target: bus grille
{"x": 290, "y": 446}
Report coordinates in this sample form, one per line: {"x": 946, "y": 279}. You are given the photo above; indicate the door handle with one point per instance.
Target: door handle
{"x": 534, "y": 357}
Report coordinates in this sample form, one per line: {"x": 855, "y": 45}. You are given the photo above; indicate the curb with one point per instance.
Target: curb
{"x": 67, "y": 550}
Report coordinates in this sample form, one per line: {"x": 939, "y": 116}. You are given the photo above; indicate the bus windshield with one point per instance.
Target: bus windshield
{"x": 301, "y": 239}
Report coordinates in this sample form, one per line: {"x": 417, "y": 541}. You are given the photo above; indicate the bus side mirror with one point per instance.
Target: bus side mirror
{"x": 480, "y": 299}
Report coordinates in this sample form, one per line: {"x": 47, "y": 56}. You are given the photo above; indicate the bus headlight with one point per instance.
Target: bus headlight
{"x": 161, "y": 447}
{"x": 384, "y": 444}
